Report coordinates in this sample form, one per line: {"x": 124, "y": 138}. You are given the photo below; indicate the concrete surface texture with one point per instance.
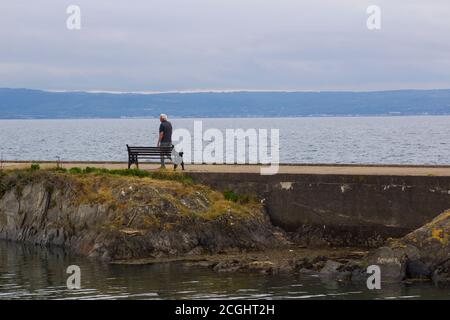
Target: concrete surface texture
{"x": 394, "y": 170}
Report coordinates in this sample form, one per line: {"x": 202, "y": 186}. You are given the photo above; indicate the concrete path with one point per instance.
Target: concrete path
{"x": 284, "y": 169}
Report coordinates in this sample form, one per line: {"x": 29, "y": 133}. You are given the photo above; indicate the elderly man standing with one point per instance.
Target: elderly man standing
{"x": 165, "y": 135}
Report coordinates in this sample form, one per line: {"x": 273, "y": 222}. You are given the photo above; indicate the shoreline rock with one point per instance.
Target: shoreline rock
{"x": 114, "y": 217}
{"x": 421, "y": 254}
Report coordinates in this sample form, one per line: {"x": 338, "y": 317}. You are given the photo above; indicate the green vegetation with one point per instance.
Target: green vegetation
{"x": 21, "y": 177}
{"x": 160, "y": 174}
{"x": 135, "y": 195}
{"x": 75, "y": 170}
{"x": 97, "y": 187}
{"x": 232, "y": 196}
{"x": 18, "y": 178}
{"x": 35, "y": 166}
{"x": 4, "y": 186}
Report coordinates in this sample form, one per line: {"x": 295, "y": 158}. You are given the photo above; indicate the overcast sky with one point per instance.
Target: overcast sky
{"x": 170, "y": 45}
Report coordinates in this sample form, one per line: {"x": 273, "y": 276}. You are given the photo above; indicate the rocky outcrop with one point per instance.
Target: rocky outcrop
{"x": 115, "y": 217}
{"x": 423, "y": 254}
{"x": 327, "y": 263}
{"x": 370, "y": 236}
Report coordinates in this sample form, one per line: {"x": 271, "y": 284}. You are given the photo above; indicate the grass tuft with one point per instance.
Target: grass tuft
{"x": 238, "y": 198}
{"x": 35, "y": 166}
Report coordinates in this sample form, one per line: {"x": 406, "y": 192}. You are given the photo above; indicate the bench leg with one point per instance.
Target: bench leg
{"x": 132, "y": 159}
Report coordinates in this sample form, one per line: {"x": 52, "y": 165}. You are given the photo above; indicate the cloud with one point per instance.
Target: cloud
{"x": 163, "y": 45}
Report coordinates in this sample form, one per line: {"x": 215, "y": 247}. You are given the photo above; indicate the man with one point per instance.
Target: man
{"x": 165, "y": 135}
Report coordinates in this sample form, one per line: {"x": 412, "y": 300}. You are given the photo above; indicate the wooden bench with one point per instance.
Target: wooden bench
{"x": 151, "y": 153}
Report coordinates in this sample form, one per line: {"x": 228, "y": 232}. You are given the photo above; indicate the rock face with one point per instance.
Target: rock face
{"x": 392, "y": 262}
{"x": 113, "y": 217}
{"x": 424, "y": 253}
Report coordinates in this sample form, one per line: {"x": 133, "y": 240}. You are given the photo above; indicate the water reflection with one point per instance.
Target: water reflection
{"x": 30, "y": 272}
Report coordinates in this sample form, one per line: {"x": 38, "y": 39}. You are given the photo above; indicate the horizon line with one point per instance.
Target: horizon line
{"x": 155, "y": 92}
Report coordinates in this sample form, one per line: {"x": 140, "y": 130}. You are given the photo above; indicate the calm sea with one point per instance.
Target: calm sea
{"x": 31, "y": 272}
{"x": 381, "y": 140}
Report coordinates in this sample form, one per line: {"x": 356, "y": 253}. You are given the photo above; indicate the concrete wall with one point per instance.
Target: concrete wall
{"x": 342, "y": 209}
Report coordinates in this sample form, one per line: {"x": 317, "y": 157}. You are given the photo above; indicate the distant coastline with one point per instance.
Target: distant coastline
{"x": 256, "y": 117}
{"x": 39, "y": 104}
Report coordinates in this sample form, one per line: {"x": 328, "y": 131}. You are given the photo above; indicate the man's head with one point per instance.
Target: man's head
{"x": 162, "y": 117}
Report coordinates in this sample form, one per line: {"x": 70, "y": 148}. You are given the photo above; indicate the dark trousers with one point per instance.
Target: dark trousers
{"x": 164, "y": 144}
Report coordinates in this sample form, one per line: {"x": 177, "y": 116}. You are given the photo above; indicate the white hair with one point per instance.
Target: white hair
{"x": 163, "y": 116}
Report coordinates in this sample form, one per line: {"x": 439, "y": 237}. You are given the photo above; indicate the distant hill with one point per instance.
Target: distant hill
{"x": 25, "y": 103}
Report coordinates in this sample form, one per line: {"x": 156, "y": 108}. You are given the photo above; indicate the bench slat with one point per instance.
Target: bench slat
{"x": 137, "y": 147}
{"x": 151, "y": 151}
{"x": 154, "y": 150}
{"x": 150, "y": 155}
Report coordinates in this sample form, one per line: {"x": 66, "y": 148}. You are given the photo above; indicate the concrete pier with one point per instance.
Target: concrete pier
{"x": 348, "y": 209}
